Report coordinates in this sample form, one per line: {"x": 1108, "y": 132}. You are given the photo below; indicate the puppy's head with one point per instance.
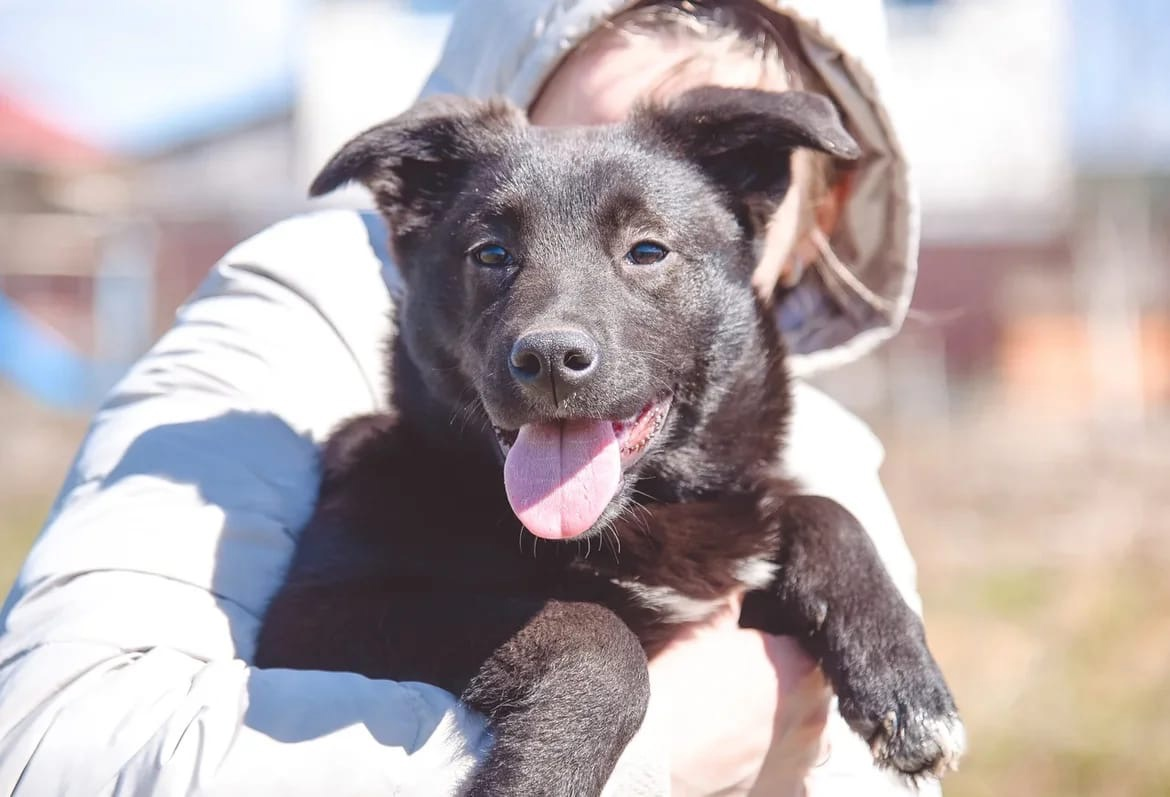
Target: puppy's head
{"x": 588, "y": 289}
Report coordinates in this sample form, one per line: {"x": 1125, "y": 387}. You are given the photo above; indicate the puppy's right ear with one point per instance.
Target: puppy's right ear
{"x": 419, "y": 158}
{"x": 743, "y": 140}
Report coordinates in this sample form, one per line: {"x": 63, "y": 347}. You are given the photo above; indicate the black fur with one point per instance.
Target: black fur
{"x": 414, "y": 566}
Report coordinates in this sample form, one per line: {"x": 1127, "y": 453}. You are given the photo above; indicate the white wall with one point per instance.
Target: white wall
{"x": 365, "y": 61}
{"x": 982, "y": 102}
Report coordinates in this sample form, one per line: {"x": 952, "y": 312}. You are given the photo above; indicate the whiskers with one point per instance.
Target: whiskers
{"x": 632, "y": 515}
{"x": 666, "y": 385}
{"x": 526, "y": 535}
{"x": 617, "y": 541}
{"x": 608, "y": 533}
{"x": 649, "y": 355}
{"x": 639, "y": 513}
{"x": 588, "y": 547}
{"x": 470, "y": 411}
{"x": 604, "y": 541}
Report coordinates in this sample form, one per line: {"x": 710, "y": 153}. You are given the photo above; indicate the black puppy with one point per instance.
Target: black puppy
{"x": 580, "y": 353}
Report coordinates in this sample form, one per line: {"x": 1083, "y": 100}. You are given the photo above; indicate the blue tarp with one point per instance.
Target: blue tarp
{"x": 43, "y": 365}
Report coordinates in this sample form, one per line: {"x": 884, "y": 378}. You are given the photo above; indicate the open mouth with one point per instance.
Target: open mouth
{"x": 634, "y": 434}
{"x": 561, "y": 474}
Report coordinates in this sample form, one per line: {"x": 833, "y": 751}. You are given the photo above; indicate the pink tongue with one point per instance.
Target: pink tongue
{"x": 560, "y": 476}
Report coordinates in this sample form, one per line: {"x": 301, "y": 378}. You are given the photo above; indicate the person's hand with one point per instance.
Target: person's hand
{"x": 742, "y": 709}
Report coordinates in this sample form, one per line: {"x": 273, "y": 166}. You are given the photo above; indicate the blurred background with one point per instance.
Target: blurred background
{"x": 1025, "y": 410}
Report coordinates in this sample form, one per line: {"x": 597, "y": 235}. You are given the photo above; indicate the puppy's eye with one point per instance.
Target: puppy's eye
{"x": 646, "y": 253}
{"x": 491, "y": 256}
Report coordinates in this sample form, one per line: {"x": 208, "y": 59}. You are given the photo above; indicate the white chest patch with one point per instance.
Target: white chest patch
{"x": 670, "y": 603}
{"x": 754, "y": 573}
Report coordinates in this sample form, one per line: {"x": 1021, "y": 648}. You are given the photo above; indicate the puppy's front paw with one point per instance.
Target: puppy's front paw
{"x": 899, "y": 703}
{"x": 916, "y": 743}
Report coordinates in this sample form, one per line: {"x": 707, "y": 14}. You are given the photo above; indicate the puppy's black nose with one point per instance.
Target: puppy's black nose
{"x": 554, "y": 361}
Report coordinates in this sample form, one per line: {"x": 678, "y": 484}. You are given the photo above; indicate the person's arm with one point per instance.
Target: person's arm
{"x": 832, "y": 453}
{"x": 125, "y": 643}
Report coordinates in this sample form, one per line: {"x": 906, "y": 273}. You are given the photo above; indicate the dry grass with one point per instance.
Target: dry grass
{"x": 1062, "y": 674}
{"x": 20, "y": 520}
{"x": 1043, "y": 555}
{"x": 37, "y": 447}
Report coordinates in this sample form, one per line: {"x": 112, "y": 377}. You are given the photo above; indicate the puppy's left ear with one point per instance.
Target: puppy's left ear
{"x": 743, "y": 139}
{"x": 417, "y": 162}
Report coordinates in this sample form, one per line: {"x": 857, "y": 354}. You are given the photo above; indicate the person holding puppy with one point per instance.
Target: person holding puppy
{"x": 124, "y": 659}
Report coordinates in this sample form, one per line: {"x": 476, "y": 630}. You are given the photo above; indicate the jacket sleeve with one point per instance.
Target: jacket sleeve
{"x": 832, "y": 453}
{"x": 124, "y": 646}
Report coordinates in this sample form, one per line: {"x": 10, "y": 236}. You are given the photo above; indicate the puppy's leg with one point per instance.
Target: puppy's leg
{"x": 564, "y": 697}
{"x": 832, "y": 591}
{"x": 564, "y": 685}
